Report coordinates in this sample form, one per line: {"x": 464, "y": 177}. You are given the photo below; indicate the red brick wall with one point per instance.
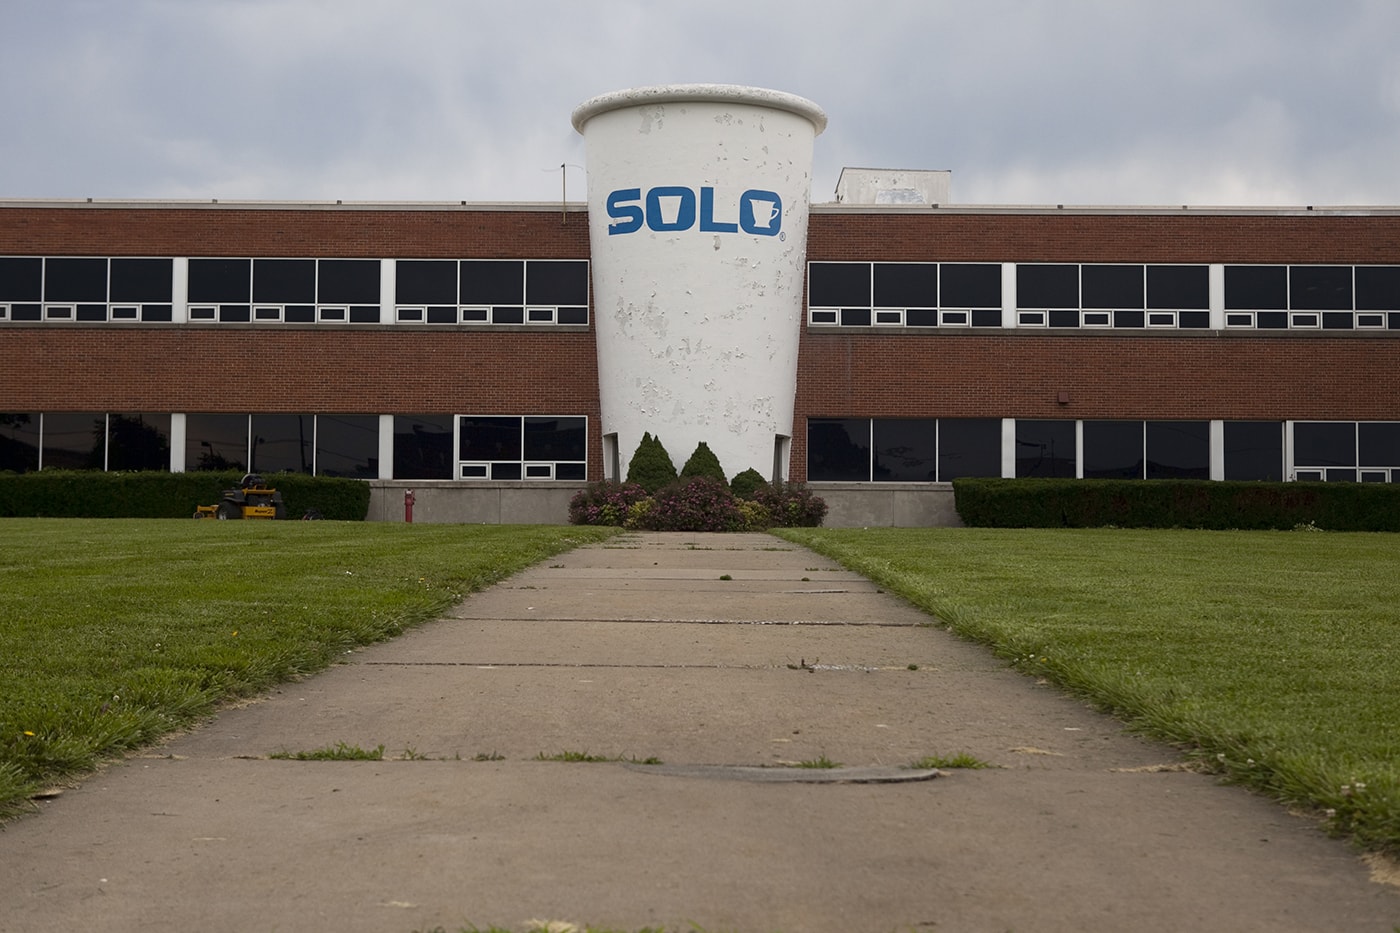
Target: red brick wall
{"x": 1189, "y": 237}
{"x": 343, "y": 233}
{"x": 895, "y": 373}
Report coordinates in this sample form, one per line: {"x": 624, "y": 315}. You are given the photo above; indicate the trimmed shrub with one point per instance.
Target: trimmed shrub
{"x": 651, "y": 466}
{"x": 703, "y": 463}
{"x": 605, "y": 503}
{"x": 745, "y": 484}
{"x": 696, "y": 504}
{"x": 1069, "y": 503}
{"x": 791, "y": 505}
{"x": 159, "y": 494}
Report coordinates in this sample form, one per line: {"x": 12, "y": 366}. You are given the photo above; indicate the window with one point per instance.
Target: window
{"x": 838, "y": 449}
{"x": 1045, "y": 448}
{"x": 19, "y": 441}
{"x": 491, "y": 291}
{"x": 347, "y": 445}
{"x": 1254, "y": 450}
{"x": 1313, "y": 297}
{"x": 139, "y": 441}
{"x": 1113, "y": 450}
{"x": 423, "y": 446}
{"x": 968, "y": 447}
{"x": 292, "y": 291}
{"x": 1178, "y": 450}
{"x": 74, "y": 441}
{"x": 514, "y": 447}
{"x": 905, "y": 450}
{"x": 282, "y": 443}
{"x": 913, "y": 294}
{"x": 216, "y": 442}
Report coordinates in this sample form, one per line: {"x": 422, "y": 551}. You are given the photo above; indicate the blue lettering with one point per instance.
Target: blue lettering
{"x": 626, "y": 217}
{"x": 673, "y": 208}
{"x": 761, "y": 212}
{"x": 707, "y": 214}
{"x": 682, "y": 202}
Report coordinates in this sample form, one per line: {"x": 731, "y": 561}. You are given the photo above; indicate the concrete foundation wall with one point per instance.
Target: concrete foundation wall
{"x": 898, "y": 505}
{"x": 850, "y": 505}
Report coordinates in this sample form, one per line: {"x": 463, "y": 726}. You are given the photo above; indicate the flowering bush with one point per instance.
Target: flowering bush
{"x": 605, "y": 503}
{"x": 698, "y": 504}
{"x": 754, "y": 515}
{"x": 792, "y": 505}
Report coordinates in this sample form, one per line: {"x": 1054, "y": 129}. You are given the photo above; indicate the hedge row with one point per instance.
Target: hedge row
{"x": 1067, "y": 503}
{"x": 94, "y": 494}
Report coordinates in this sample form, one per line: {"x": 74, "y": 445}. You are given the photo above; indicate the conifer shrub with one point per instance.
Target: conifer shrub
{"x": 651, "y": 466}
{"x": 745, "y": 484}
{"x": 703, "y": 463}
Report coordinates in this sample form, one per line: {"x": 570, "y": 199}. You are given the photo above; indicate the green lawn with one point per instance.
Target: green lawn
{"x": 1273, "y": 656}
{"x": 115, "y": 632}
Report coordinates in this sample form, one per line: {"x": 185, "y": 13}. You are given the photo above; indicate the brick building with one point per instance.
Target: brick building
{"x": 452, "y": 346}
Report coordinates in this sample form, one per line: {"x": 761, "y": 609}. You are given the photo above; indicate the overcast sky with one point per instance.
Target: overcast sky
{"x": 1236, "y": 102}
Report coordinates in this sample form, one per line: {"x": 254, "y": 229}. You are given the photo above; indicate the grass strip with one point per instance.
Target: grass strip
{"x": 115, "y": 632}
{"x": 1273, "y": 656}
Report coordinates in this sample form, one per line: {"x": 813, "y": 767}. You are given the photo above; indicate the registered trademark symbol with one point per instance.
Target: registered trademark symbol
{"x": 782, "y": 234}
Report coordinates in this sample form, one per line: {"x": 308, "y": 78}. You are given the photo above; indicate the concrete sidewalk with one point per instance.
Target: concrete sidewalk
{"x": 715, "y": 654}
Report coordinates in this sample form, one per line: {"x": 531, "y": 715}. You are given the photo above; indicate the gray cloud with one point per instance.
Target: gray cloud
{"x": 1031, "y": 101}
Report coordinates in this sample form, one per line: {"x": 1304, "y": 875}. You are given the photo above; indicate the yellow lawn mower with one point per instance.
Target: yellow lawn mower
{"x": 252, "y": 499}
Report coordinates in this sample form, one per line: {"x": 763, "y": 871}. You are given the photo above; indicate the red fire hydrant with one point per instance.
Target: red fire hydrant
{"x": 408, "y": 506}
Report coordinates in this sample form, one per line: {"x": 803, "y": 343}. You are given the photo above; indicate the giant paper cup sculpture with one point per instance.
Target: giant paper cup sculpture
{"x": 697, "y": 205}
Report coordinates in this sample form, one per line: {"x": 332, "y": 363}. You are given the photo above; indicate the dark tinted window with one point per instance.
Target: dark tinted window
{"x": 1174, "y": 287}
{"x": 906, "y": 449}
{"x": 426, "y": 281}
{"x": 1377, "y": 288}
{"x": 284, "y": 281}
{"x": 74, "y": 440}
{"x": 838, "y": 449}
{"x": 216, "y": 442}
{"x": 838, "y": 284}
{"x": 1047, "y": 286}
{"x": 1324, "y": 443}
{"x": 1178, "y": 450}
{"x": 1378, "y": 443}
{"x": 21, "y": 278}
{"x": 215, "y": 280}
{"x": 75, "y": 280}
{"x": 1045, "y": 448}
{"x": 1256, "y": 288}
{"x": 347, "y": 445}
{"x": 969, "y": 447}
{"x": 423, "y": 447}
{"x": 1112, "y": 449}
{"x": 1254, "y": 450}
{"x": 1319, "y": 288}
{"x": 138, "y": 441}
{"x": 19, "y": 441}
{"x": 493, "y": 282}
{"x": 1112, "y": 286}
{"x": 142, "y": 279}
{"x": 969, "y": 285}
{"x": 556, "y": 282}
{"x": 552, "y": 439}
{"x": 906, "y": 285}
{"x": 282, "y": 443}
{"x": 489, "y": 438}
{"x": 348, "y": 281}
